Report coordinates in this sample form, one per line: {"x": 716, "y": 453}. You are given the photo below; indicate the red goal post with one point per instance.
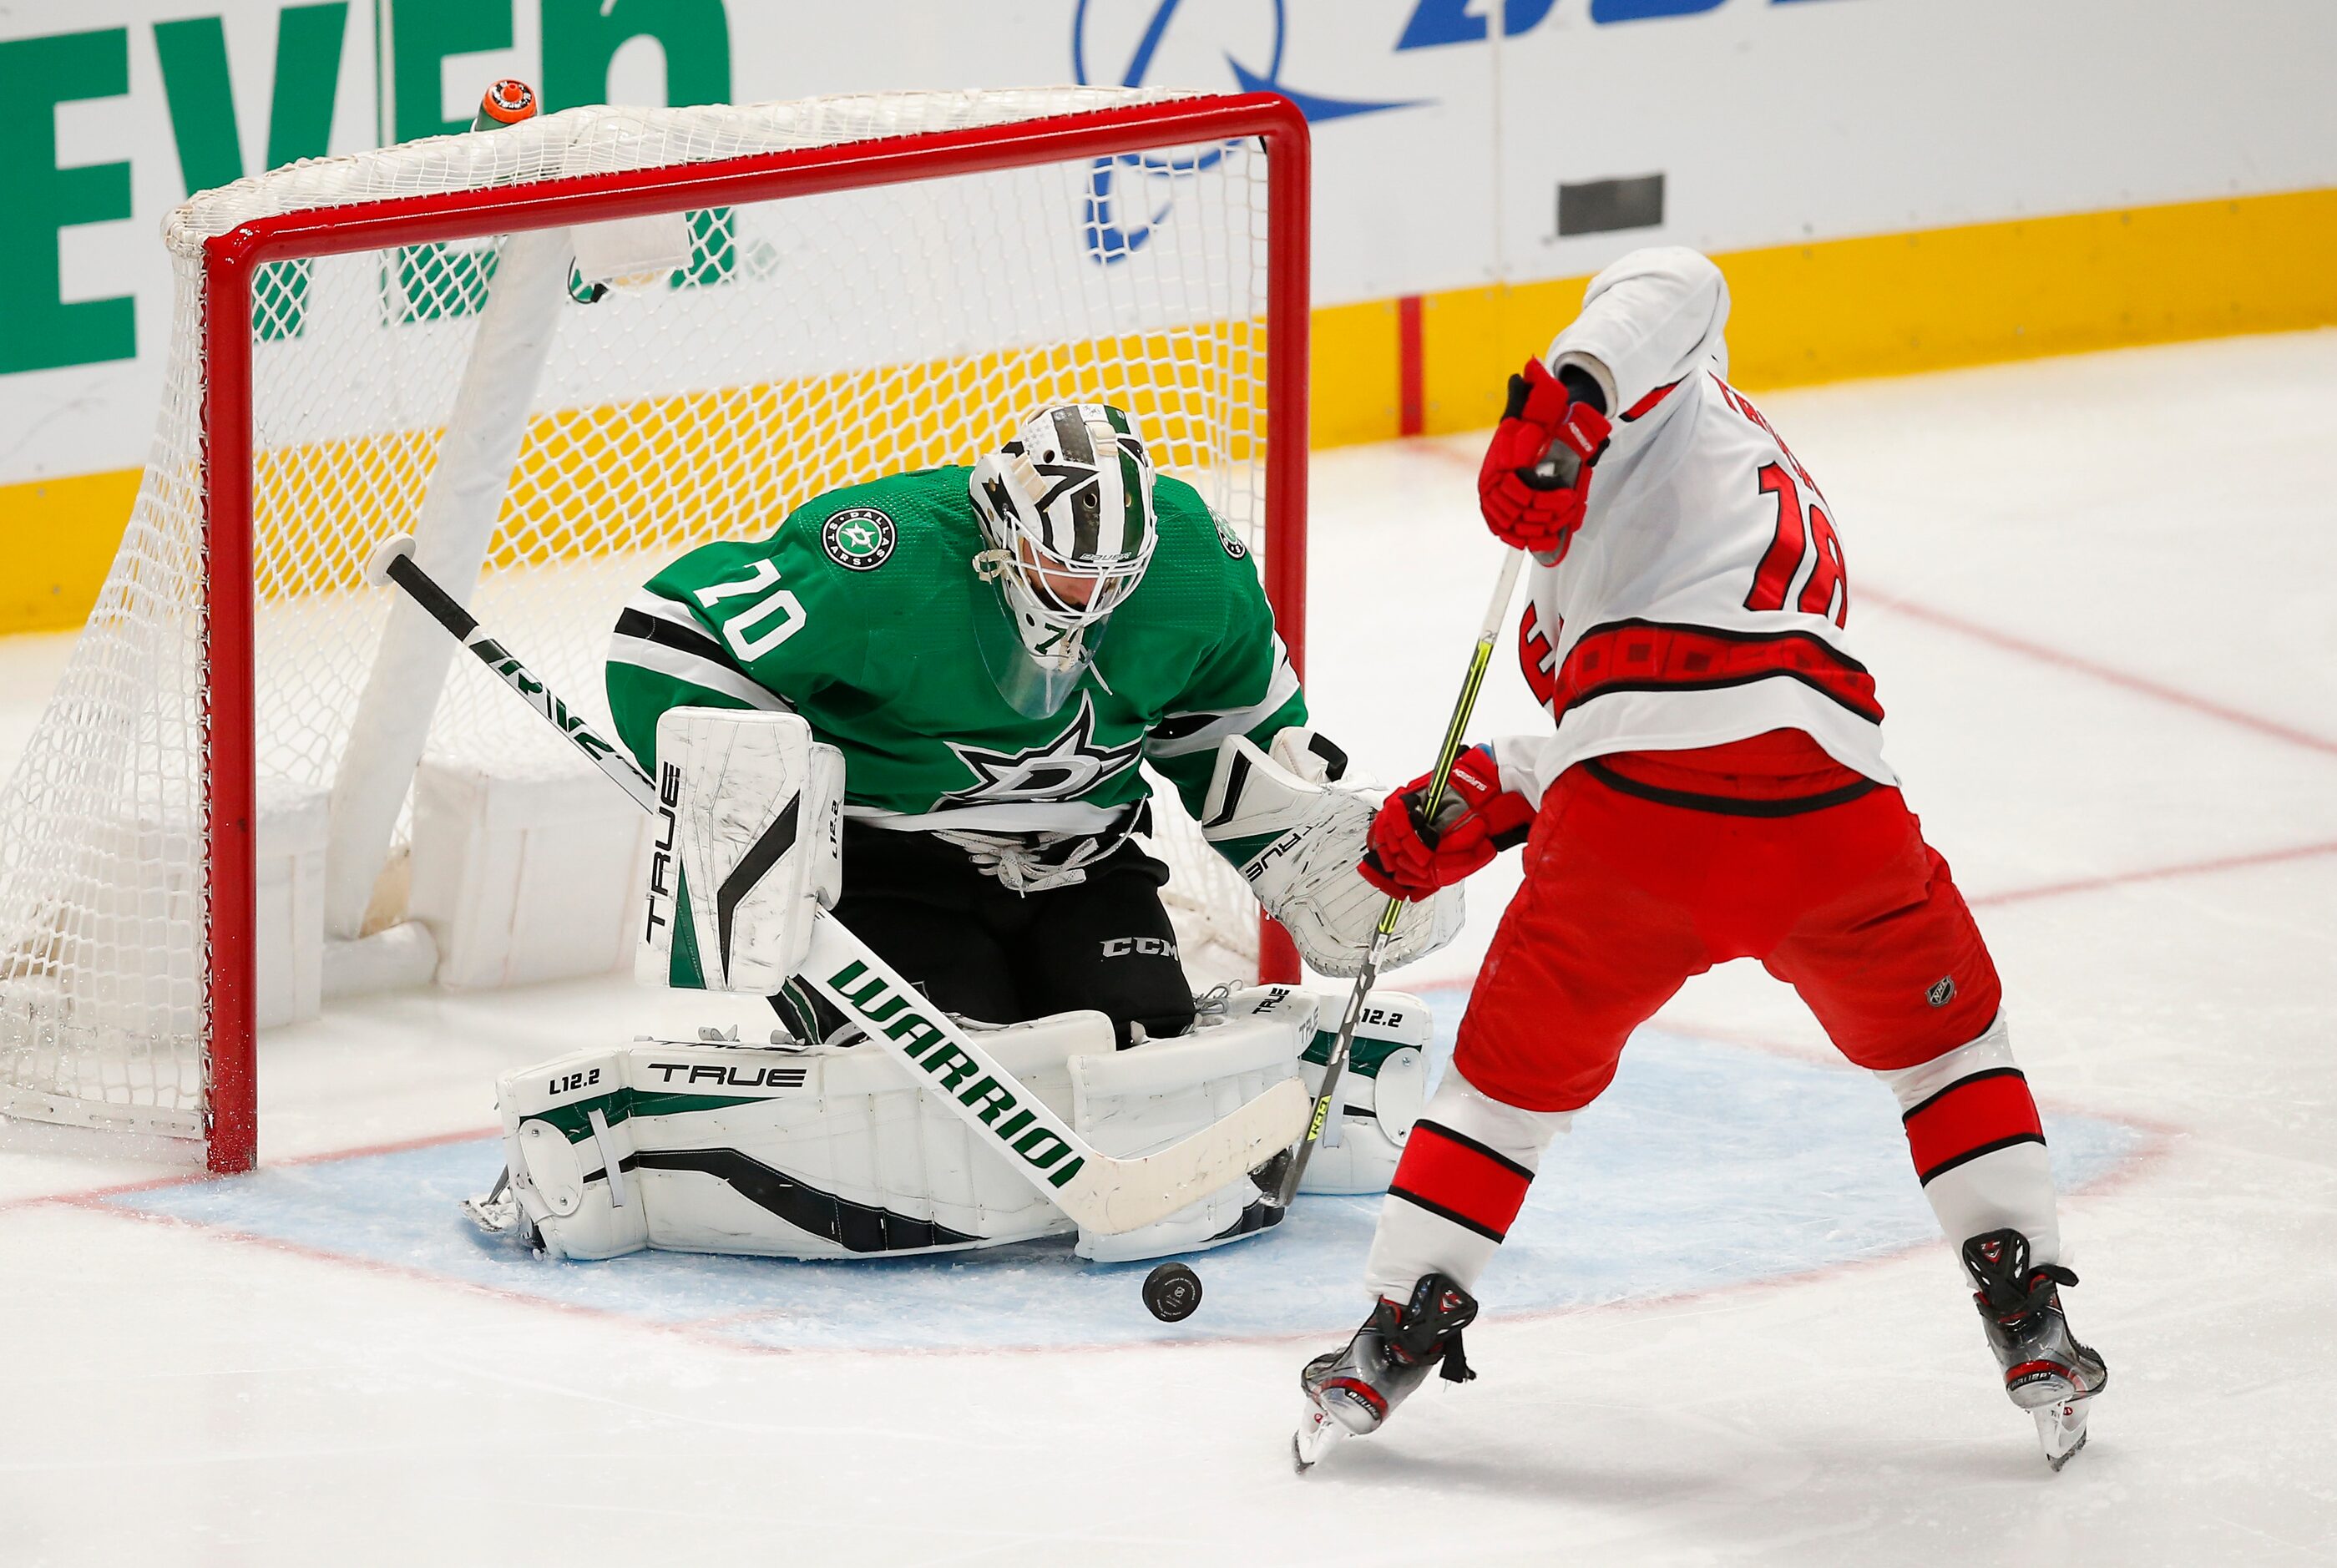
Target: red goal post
{"x": 232, "y": 261}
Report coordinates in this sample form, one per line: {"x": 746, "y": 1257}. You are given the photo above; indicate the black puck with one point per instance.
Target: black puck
{"x": 1172, "y": 1292}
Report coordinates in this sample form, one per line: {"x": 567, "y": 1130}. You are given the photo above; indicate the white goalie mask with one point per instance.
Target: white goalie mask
{"x": 1066, "y": 513}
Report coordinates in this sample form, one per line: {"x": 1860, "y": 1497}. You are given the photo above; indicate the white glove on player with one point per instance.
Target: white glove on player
{"x": 751, "y": 846}
{"x": 1296, "y": 838}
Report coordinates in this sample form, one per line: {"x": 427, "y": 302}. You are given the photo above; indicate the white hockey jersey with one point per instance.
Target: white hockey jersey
{"x": 1704, "y": 597}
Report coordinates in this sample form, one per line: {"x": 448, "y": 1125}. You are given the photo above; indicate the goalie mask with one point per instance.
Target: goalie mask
{"x": 1066, "y": 512}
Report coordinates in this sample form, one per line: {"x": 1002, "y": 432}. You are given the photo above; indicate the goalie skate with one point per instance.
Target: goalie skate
{"x": 2046, "y": 1371}
{"x": 498, "y": 1213}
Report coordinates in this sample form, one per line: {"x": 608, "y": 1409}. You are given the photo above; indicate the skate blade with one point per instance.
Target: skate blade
{"x": 493, "y": 1216}
{"x": 2060, "y": 1430}
{"x": 1316, "y": 1436}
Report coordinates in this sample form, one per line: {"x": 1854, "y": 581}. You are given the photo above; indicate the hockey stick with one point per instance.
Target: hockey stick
{"x": 1103, "y": 1193}
{"x": 1513, "y": 561}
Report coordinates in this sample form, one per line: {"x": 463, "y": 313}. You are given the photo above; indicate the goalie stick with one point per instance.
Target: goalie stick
{"x": 1103, "y": 1193}
{"x": 1479, "y": 661}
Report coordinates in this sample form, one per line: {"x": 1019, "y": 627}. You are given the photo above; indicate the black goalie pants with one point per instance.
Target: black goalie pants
{"x": 983, "y": 951}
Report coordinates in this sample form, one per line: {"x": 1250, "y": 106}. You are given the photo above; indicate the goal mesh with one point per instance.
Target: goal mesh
{"x": 808, "y": 342}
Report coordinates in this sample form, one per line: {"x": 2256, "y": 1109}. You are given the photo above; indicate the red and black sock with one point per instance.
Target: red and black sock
{"x": 1977, "y": 1114}
{"x": 1454, "y": 1177}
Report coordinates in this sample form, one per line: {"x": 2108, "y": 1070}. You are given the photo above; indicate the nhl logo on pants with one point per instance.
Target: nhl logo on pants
{"x": 1942, "y": 992}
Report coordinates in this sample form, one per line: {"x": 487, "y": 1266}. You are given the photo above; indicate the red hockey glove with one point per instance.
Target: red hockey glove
{"x": 1537, "y": 472}
{"x": 1411, "y": 856}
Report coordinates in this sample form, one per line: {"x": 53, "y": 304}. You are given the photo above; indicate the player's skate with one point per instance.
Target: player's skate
{"x": 1355, "y": 1390}
{"x": 2046, "y": 1371}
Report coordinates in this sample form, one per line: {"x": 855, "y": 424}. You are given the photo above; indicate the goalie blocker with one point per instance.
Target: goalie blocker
{"x": 749, "y": 847}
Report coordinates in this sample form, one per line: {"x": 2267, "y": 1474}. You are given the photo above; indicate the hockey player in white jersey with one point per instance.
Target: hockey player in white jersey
{"x": 1713, "y": 789}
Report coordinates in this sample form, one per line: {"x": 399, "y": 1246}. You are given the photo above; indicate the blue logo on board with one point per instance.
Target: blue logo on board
{"x": 1119, "y": 42}
{"x": 1201, "y": 42}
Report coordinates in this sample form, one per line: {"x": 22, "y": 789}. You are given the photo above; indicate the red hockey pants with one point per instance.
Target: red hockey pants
{"x": 1625, "y": 897}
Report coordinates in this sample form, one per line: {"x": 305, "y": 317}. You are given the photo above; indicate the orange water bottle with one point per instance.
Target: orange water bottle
{"x": 507, "y": 102}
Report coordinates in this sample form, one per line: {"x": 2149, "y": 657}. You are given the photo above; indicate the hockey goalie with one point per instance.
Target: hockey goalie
{"x": 921, "y": 705}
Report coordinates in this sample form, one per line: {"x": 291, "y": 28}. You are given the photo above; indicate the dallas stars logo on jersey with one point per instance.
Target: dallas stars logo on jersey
{"x": 1062, "y": 769}
{"x": 859, "y": 538}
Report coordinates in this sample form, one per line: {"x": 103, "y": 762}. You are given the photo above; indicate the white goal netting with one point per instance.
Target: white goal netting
{"x": 556, "y": 453}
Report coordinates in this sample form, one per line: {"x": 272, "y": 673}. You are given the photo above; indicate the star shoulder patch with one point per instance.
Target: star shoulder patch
{"x": 1062, "y": 769}
{"x": 1231, "y": 541}
{"x": 858, "y": 538}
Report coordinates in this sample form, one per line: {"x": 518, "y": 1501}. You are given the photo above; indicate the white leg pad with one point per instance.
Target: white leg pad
{"x": 828, "y": 1154}
{"x": 1138, "y": 1101}
{"x": 1381, "y": 1093}
{"x": 568, "y": 1160}
{"x": 728, "y": 1148}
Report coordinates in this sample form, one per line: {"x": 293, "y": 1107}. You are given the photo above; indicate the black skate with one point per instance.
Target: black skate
{"x": 1355, "y": 1390}
{"x": 2046, "y": 1371}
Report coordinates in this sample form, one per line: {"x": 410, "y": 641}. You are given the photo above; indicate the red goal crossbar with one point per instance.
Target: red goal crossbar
{"x": 232, "y": 261}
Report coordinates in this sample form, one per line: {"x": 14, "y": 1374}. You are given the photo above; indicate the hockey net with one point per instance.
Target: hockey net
{"x": 871, "y": 284}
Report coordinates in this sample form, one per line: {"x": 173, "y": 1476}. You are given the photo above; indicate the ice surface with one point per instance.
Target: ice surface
{"x": 1652, "y": 1194}
{"x": 2098, "y": 594}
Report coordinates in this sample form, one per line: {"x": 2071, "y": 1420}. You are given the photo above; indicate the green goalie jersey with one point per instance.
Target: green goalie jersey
{"x": 861, "y": 614}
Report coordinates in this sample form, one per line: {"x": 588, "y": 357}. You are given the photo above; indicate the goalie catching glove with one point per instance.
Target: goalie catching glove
{"x": 1411, "y": 856}
{"x": 1298, "y": 836}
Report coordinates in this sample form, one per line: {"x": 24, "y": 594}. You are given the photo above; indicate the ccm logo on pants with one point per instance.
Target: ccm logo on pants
{"x": 1140, "y": 947}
